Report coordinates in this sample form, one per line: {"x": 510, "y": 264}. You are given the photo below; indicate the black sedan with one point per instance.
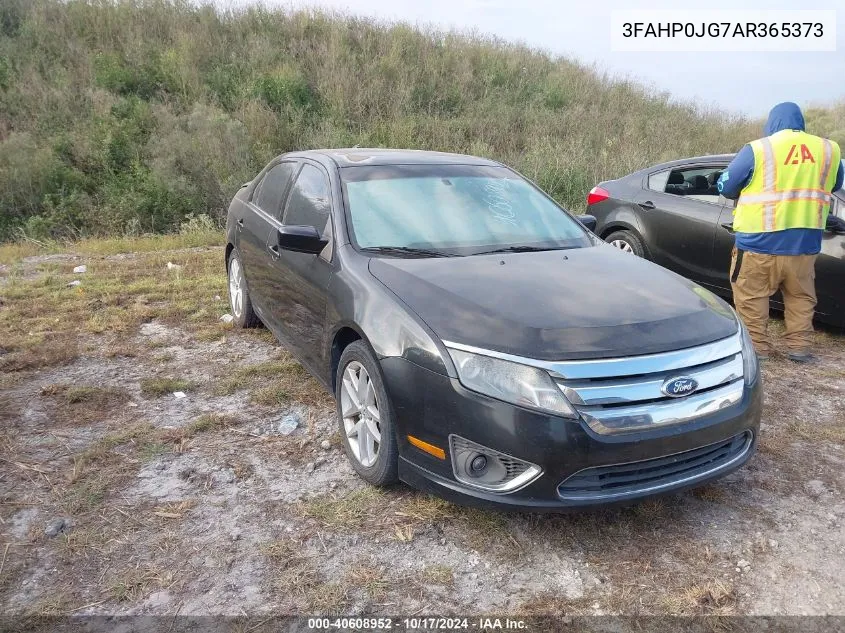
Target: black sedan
{"x": 673, "y": 215}
{"x": 473, "y": 344}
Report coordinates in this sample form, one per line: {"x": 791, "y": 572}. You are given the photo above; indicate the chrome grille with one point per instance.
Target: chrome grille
{"x": 625, "y": 394}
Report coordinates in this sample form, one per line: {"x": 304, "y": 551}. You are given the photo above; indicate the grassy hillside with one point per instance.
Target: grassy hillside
{"x": 127, "y": 117}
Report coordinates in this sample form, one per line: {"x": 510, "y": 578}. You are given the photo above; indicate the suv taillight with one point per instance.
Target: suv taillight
{"x": 597, "y": 194}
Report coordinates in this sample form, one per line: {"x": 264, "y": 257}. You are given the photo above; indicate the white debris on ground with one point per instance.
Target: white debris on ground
{"x": 288, "y": 423}
{"x": 179, "y": 394}
{"x": 81, "y": 269}
{"x": 227, "y": 318}
{"x": 73, "y": 284}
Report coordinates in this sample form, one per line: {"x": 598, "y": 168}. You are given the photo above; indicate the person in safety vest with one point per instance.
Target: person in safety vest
{"x": 783, "y": 183}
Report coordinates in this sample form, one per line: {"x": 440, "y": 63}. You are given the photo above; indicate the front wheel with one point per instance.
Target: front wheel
{"x": 628, "y": 242}
{"x": 365, "y": 416}
{"x": 243, "y": 314}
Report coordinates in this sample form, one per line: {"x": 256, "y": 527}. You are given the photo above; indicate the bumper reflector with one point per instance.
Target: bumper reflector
{"x": 431, "y": 449}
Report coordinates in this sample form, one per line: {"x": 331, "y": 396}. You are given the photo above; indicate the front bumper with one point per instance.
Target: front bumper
{"x": 431, "y": 407}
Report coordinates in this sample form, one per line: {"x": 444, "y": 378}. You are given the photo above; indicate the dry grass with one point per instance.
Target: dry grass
{"x": 82, "y": 404}
{"x": 438, "y": 575}
{"x": 369, "y": 578}
{"x": 23, "y": 352}
{"x": 712, "y": 598}
{"x": 161, "y": 385}
{"x": 347, "y": 511}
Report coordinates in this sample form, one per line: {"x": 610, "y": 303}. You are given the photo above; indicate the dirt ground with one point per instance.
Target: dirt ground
{"x": 117, "y": 497}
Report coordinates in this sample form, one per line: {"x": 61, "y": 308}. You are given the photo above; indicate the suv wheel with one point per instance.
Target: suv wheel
{"x": 365, "y": 416}
{"x": 627, "y": 241}
{"x": 242, "y": 312}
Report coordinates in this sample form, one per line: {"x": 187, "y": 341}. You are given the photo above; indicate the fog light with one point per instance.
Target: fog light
{"x": 478, "y": 465}
{"x": 482, "y": 467}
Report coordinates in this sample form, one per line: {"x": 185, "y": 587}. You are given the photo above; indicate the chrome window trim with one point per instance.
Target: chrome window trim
{"x": 682, "y": 359}
{"x": 661, "y": 486}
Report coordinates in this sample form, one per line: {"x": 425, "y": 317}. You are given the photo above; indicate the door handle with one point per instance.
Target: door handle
{"x": 728, "y": 227}
{"x": 274, "y": 251}
{"x": 647, "y": 205}
{"x": 240, "y": 223}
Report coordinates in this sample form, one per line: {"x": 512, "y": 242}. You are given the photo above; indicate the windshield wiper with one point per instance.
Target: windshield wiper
{"x": 406, "y": 250}
{"x": 520, "y": 249}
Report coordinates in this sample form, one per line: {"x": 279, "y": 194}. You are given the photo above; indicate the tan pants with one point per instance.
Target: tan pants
{"x": 756, "y": 277}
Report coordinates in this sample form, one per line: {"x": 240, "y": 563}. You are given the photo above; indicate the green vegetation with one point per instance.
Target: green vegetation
{"x": 131, "y": 117}
{"x": 160, "y": 386}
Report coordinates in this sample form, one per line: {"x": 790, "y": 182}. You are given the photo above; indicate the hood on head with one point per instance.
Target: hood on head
{"x": 784, "y": 116}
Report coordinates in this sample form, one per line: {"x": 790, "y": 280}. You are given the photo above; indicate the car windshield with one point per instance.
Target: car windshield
{"x": 426, "y": 210}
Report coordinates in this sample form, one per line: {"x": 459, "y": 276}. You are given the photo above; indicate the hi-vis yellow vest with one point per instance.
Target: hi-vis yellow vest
{"x": 794, "y": 173}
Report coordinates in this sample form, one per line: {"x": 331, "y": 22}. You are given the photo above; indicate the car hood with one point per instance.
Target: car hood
{"x": 558, "y": 305}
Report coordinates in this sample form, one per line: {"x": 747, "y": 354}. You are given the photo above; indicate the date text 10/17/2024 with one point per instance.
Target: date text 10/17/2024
{"x": 419, "y": 624}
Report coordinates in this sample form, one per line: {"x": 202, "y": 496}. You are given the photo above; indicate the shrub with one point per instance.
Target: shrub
{"x": 285, "y": 87}
{"x": 144, "y": 115}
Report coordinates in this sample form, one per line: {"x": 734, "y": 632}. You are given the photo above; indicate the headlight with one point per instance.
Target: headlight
{"x": 749, "y": 356}
{"x": 512, "y": 382}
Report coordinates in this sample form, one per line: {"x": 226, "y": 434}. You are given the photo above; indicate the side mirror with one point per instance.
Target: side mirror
{"x": 301, "y": 239}
{"x": 589, "y": 221}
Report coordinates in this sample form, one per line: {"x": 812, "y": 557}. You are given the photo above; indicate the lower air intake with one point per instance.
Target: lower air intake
{"x": 618, "y": 481}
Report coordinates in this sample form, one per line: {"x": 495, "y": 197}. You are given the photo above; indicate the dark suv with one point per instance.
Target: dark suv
{"x": 481, "y": 342}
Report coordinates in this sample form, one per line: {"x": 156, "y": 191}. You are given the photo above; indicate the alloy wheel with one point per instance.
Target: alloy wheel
{"x": 360, "y": 411}
{"x": 236, "y": 287}
{"x": 622, "y": 245}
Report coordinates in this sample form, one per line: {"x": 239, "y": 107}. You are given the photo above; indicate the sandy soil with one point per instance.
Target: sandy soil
{"x": 157, "y": 513}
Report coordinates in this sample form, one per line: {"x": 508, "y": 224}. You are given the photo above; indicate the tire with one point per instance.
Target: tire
{"x": 375, "y": 460}
{"x": 243, "y": 314}
{"x": 629, "y": 242}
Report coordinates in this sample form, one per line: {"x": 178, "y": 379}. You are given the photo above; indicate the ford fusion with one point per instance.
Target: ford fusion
{"x": 481, "y": 343}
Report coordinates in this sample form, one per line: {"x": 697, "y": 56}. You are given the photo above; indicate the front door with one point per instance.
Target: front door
{"x": 300, "y": 281}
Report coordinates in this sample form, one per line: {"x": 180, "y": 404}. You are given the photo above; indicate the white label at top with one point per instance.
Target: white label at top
{"x": 727, "y": 30}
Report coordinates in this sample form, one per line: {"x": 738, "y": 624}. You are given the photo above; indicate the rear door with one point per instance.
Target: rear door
{"x": 260, "y": 213}
{"x": 300, "y": 281}
{"x": 681, "y": 208}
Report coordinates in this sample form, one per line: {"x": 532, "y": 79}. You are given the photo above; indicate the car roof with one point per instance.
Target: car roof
{"x": 356, "y": 156}
{"x": 711, "y": 158}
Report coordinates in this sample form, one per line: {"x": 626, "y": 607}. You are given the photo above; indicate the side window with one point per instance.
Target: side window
{"x": 309, "y": 203}
{"x": 698, "y": 183}
{"x": 657, "y": 182}
{"x": 270, "y": 191}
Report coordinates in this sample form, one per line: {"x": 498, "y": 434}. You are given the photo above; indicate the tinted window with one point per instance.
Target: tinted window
{"x": 270, "y": 191}
{"x": 460, "y": 209}
{"x": 698, "y": 183}
{"x": 309, "y": 203}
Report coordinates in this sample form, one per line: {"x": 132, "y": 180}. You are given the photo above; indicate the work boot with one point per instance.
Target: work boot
{"x": 801, "y": 357}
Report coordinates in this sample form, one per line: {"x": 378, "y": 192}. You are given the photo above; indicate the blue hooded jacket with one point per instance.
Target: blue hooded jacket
{"x": 784, "y": 116}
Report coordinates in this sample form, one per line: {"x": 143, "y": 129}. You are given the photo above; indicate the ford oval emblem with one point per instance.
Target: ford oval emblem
{"x": 679, "y": 387}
